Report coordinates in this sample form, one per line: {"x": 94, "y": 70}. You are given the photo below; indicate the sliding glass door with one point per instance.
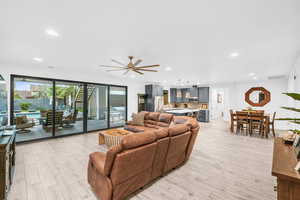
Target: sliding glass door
{"x": 97, "y": 107}
{"x": 69, "y": 107}
{"x": 117, "y": 106}
{"x": 32, "y": 101}
{"x": 44, "y": 108}
{"x": 3, "y": 103}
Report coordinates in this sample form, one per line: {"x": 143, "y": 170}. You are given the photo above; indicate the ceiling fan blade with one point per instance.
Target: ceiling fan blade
{"x": 126, "y": 72}
{"x": 118, "y": 62}
{"x": 137, "y": 62}
{"x": 111, "y": 66}
{"x": 148, "y": 70}
{"x": 115, "y": 70}
{"x": 147, "y": 66}
{"x": 137, "y": 71}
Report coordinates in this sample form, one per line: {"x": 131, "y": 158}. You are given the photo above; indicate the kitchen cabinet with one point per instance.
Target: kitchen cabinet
{"x": 173, "y": 98}
{"x": 151, "y": 92}
{"x": 193, "y": 92}
{"x": 203, "y": 94}
{"x": 203, "y": 116}
{"x": 184, "y": 97}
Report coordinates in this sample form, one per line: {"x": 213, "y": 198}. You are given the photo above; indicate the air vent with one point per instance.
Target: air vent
{"x": 276, "y": 77}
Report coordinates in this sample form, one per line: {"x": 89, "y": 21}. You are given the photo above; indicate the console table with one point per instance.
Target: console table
{"x": 7, "y": 162}
{"x": 288, "y": 179}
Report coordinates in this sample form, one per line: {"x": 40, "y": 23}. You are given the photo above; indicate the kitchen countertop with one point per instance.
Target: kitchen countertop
{"x": 182, "y": 110}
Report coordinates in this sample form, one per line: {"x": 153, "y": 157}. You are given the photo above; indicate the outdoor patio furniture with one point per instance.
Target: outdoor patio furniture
{"x": 48, "y": 124}
{"x": 23, "y": 124}
{"x": 70, "y": 119}
{"x": 4, "y": 121}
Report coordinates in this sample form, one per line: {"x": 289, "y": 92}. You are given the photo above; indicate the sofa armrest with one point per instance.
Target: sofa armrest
{"x": 98, "y": 161}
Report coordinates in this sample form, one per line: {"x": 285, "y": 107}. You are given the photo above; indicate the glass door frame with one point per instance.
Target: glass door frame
{"x": 85, "y": 103}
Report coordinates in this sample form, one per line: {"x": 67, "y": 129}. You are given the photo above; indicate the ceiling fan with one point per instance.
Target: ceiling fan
{"x": 131, "y": 66}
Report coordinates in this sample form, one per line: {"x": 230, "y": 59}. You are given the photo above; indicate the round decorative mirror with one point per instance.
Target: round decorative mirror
{"x": 257, "y": 96}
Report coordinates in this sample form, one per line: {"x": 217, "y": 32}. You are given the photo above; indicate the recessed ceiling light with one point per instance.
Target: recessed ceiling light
{"x": 37, "y": 59}
{"x": 51, "y": 32}
{"x": 255, "y": 78}
{"x": 168, "y": 69}
{"x": 234, "y": 54}
{"x": 251, "y": 74}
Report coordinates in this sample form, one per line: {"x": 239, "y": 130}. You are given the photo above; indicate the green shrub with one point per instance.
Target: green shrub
{"x": 25, "y": 106}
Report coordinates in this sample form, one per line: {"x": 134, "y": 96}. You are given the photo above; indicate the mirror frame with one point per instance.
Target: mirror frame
{"x": 260, "y": 89}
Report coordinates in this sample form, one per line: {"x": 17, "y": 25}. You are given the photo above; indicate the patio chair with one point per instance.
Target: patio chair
{"x": 48, "y": 124}
{"x": 23, "y": 124}
{"x": 71, "y": 119}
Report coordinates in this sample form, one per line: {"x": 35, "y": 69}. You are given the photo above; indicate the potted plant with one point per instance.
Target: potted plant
{"x": 295, "y": 120}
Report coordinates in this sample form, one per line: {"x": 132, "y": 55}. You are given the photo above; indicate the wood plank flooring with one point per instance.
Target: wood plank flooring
{"x": 223, "y": 166}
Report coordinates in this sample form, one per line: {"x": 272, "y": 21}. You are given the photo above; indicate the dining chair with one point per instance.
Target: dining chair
{"x": 233, "y": 120}
{"x": 242, "y": 121}
{"x": 257, "y": 123}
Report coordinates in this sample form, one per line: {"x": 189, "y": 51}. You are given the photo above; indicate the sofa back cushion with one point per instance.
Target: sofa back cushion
{"x": 154, "y": 116}
{"x": 138, "y": 139}
{"x": 161, "y": 152}
{"x": 133, "y": 163}
{"x": 186, "y": 120}
{"x": 178, "y": 129}
{"x": 179, "y": 138}
{"x": 194, "y": 131}
{"x": 165, "y": 118}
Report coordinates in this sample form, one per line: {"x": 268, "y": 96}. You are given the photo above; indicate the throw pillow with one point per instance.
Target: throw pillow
{"x": 138, "y": 119}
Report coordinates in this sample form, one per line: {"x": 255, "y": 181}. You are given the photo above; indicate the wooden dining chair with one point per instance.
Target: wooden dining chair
{"x": 242, "y": 122}
{"x": 233, "y": 120}
{"x": 257, "y": 123}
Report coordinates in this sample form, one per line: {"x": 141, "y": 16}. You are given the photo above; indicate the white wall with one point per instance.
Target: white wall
{"x": 294, "y": 86}
{"x": 97, "y": 76}
{"x": 235, "y": 97}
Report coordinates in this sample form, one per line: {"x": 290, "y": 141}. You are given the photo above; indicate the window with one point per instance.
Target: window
{"x": 44, "y": 108}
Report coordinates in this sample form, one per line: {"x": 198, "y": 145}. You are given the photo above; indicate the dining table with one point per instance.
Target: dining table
{"x": 266, "y": 117}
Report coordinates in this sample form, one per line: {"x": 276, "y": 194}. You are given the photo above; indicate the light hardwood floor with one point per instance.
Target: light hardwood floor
{"x": 223, "y": 166}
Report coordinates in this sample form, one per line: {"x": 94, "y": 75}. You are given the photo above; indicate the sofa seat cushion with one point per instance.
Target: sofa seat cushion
{"x": 163, "y": 124}
{"x": 138, "y": 129}
{"x": 152, "y": 126}
{"x": 134, "y": 128}
{"x": 152, "y": 122}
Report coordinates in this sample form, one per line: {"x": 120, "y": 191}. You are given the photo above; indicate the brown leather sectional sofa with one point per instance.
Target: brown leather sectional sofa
{"x": 142, "y": 156}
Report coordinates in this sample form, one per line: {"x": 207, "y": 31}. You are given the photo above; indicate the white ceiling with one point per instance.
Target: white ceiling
{"x": 193, "y": 37}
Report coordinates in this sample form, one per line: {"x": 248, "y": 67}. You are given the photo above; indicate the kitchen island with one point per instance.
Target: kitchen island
{"x": 202, "y": 115}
